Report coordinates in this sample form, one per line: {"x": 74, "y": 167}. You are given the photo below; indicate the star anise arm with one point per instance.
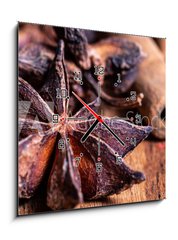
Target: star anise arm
{"x": 28, "y": 93}
{"x": 56, "y": 87}
{"x": 64, "y": 183}
{"x": 115, "y": 176}
{"x": 34, "y": 155}
{"x": 27, "y": 127}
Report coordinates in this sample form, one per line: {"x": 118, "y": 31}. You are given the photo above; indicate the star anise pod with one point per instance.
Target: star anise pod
{"x": 76, "y": 45}
{"x": 34, "y": 60}
{"x": 118, "y": 57}
{"x": 70, "y": 183}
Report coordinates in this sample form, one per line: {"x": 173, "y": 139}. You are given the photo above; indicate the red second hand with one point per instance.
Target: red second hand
{"x": 89, "y": 109}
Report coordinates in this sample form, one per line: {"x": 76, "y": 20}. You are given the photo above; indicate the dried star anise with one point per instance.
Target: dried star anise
{"x": 68, "y": 183}
{"x": 34, "y": 60}
{"x": 76, "y": 45}
{"x": 118, "y": 56}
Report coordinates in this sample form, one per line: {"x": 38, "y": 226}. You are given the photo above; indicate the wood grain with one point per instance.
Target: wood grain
{"x": 148, "y": 157}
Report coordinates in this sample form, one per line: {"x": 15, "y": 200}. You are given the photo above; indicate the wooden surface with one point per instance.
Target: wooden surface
{"x": 148, "y": 157}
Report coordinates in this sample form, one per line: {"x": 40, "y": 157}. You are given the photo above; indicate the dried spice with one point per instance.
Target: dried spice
{"x": 76, "y": 45}
{"x": 118, "y": 102}
{"x": 69, "y": 184}
{"x": 33, "y": 33}
{"x": 151, "y": 81}
{"x": 118, "y": 56}
{"x": 114, "y": 178}
{"x": 34, "y": 61}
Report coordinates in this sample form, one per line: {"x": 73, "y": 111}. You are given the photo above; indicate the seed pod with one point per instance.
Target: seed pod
{"x": 34, "y": 61}
{"x": 151, "y": 81}
{"x": 118, "y": 57}
{"x": 76, "y": 45}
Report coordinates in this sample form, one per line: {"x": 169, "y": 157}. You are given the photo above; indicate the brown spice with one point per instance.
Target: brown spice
{"x": 66, "y": 181}
{"x": 151, "y": 81}
{"x": 117, "y": 56}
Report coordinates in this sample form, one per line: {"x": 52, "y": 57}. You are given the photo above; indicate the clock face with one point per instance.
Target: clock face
{"x": 86, "y": 100}
{"x": 92, "y": 122}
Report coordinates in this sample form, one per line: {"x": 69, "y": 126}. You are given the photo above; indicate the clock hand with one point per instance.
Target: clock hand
{"x": 111, "y": 131}
{"x": 85, "y": 136}
{"x": 99, "y": 118}
{"x": 89, "y": 108}
{"x": 99, "y": 96}
{"x": 99, "y": 146}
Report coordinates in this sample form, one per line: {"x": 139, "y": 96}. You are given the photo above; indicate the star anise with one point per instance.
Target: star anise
{"x": 116, "y": 55}
{"x": 70, "y": 183}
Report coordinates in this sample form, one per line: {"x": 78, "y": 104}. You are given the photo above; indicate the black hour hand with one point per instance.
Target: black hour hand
{"x": 85, "y": 136}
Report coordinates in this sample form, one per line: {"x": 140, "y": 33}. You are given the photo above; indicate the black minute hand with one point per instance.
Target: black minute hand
{"x": 85, "y": 136}
{"x": 109, "y": 129}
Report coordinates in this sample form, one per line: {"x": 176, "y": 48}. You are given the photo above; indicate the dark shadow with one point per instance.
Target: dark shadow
{"x": 14, "y": 40}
